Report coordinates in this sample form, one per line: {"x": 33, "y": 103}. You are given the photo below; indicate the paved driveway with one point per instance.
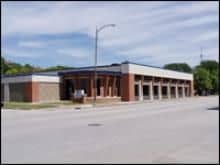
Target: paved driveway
{"x": 176, "y": 131}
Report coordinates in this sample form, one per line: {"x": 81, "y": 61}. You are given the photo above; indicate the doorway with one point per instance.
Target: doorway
{"x": 146, "y": 94}
{"x": 69, "y": 90}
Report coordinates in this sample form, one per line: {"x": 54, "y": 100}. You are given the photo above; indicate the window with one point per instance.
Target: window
{"x": 98, "y": 87}
{"x": 155, "y": 90}
{"x": 164, "y": 90}
{"x": 146, "y": 90}
{"x": 83, "y": 84}
{"x": 136, "y": 90}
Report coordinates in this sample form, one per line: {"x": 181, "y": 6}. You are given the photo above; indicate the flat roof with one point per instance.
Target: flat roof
{"x": 91, "y": 71}
{"x": 104, "y": 68}
{"x": 29, "y": 74}
{"x": 129, "y": 62}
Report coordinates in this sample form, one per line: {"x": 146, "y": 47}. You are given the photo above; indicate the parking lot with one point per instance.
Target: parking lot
{"x": 175, "y": 131}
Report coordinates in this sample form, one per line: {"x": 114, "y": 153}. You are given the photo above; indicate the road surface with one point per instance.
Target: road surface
{"x": 175, "y": 131}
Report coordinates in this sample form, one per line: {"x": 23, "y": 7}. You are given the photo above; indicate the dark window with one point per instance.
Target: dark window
{"x": 98, "y": 87}
{"x": 83, "y": 84}
{"x": 147, "y": 78}
{"x": 146, "y": 90}
{"x": 164, "y": 90}
{"x": 155, "y": 90}
{"x": 136, "y": 90}
{"x": 137, "y": 77}
{"x": 118, "y": 87}
{"x": 186, "y": 94}
{"x": 69, "y": 88}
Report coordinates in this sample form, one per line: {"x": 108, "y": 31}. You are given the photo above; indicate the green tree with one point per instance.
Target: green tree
{"x": 4, "y": 66}
{"x": 58, "y": 67}
{"x": 11, "y": 71}
{"x": 214, "y": 76}
{"x": 210, "y": 65}
{"x": 203, "y": 83}
{"x": 183, "y": 67}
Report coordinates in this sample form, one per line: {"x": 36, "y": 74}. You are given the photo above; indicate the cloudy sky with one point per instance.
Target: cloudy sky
{"x": 154, "y": 33}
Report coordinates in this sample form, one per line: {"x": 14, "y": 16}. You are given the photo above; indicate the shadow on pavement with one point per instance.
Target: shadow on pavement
{"x": 213, "y": 108}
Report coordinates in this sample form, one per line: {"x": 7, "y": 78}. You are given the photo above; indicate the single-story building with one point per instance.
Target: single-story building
{"x": 126, "y": 82}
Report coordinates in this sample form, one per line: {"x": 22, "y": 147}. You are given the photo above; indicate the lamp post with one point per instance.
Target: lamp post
{"x": 95, "y": 64}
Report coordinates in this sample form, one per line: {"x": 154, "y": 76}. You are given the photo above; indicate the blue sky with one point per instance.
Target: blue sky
{"x": 154, "y": 33}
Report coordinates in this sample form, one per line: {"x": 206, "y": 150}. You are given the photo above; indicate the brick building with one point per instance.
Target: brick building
{"x": 126, "y": 82}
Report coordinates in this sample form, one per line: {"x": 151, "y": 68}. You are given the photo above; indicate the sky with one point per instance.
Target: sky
{"x": 51, "y": 33}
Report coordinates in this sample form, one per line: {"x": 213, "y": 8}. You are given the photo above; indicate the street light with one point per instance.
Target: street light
{"x": 96, "y": 47}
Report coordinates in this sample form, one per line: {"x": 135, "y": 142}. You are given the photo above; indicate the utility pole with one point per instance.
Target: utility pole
{"x": 95, "y": 66}
{"x": 95, "y": 63}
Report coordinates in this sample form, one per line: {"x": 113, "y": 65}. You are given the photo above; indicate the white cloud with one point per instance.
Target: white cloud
{"x": 207, "y": 36}
{"x": 76, "y": 53}
{"x": 31, "y": 44}
{"x": 47, "y": 18}
{"x": 137, "y": 25}
{"x": 20, "y": 53}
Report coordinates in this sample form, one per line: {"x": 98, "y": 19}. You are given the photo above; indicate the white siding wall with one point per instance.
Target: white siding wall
{"x": 34, "y": 78}
{"x": 157, "y": 72}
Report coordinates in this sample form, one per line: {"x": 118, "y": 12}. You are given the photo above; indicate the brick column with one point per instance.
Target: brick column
{"x": 176, "y": 91}
{"x": 192, "y": 88}
{"x": 140, "y": 91}
{"x": 113, "y": 86}
{"x": 151, "y": 92}
{"x": 32, "y": 91}
{"x": 168, "y": 90}
{"x": 127, "y": 87}
{"x": 141, "y": 88}
{"x": 110, "y": 86}
{"x": 159, "y": 90}
{"x": 183, "y": 90}
{"x": 187, "y": 91}
{"x": 102, "y": 87}
{"x": 106, "y": 86}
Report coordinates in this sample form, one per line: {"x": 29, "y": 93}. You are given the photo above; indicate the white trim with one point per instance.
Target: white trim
{"x": 30, "y": 78}
{"x": 157, "y": 72}
{"x": 37, "y": 78}
{"x": 6, "y": 92}
{"x": 16, "y": 79}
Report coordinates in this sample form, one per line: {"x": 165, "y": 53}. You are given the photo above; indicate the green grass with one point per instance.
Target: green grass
{"x": 26, "y": 106}
{"x": 29, "y": 106}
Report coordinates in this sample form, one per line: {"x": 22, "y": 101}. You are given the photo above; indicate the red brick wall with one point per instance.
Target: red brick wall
{"x": 127, "y": 85}
{"x": 62, "y": 90}
{"x": 32, "y": 91}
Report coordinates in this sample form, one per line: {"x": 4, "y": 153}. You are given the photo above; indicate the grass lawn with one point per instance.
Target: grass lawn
{"x": 29, "y": 106}
{"x": 63, "y": 103}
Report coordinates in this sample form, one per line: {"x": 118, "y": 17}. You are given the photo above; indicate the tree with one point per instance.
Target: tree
{"x": 4, "y": 66}
{"x": 210, "y": 65}
{"x": 214, "y": 76}
{"x": 58, "y": 67}
{"x": 183, "y": 67}
{"x": 203, "y": 83}
{"x": 11, "y": 71}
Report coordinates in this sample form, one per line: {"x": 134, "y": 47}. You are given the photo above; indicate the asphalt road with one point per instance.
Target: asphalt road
{"x": 176, "y": 131}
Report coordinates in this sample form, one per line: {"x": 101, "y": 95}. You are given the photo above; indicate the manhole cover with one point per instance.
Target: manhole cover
{"x": 77, "y": 107}
{"x": 94, "y": 124}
